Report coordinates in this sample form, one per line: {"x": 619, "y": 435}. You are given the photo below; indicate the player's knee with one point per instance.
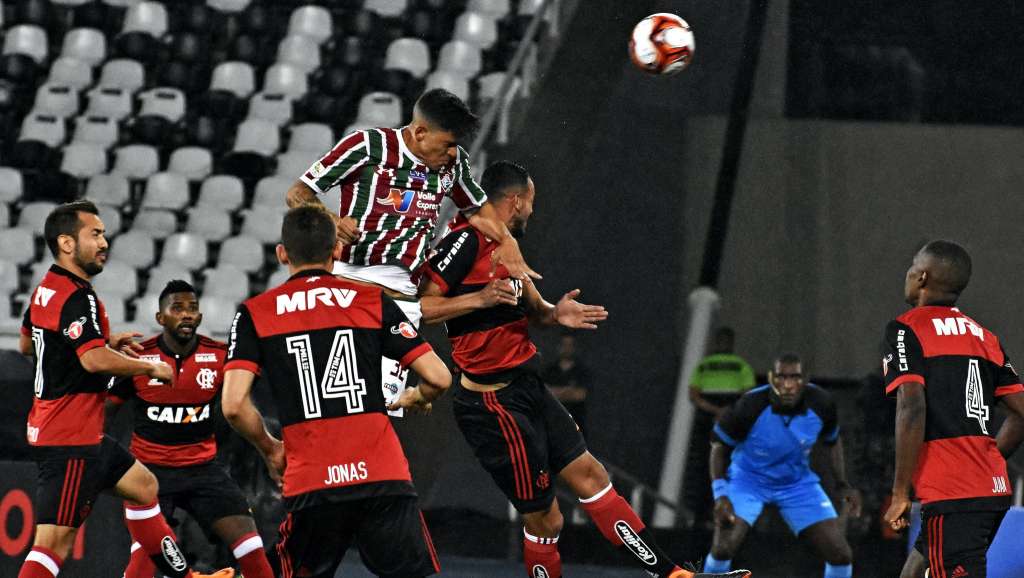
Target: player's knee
{"x": 723, "y": 550}
{"x": 840, "y": 555}
{"x": 547, "y": 524}
{"x": 147, "y": 489}
{"x": 553, "y": 522}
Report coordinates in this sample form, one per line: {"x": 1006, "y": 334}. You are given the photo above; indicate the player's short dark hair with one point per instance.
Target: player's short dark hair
{"x": 308, "y": 234}
{"x": 175, "y": 286}
{"x": 63, "y": 220}
{"x": 448, "y": 112}
{"x": 953, "y": 270}
{"x": 787, "y": 358}
{"x": 501, "y": 177}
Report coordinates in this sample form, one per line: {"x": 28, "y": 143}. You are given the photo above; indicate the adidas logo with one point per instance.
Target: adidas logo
{"x": 959, "y": 572}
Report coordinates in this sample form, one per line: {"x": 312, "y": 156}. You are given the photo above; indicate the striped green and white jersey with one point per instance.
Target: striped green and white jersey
{"x": 394, "y": 197}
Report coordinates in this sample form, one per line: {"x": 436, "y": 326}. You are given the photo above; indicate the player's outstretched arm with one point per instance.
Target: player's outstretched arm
{"x": 1011, "y": 433}
{"x": 567, "y": 312}
{"x": 242, "y": 415}
{"x": 911, "y": 409}
{"x": 508, "y": 254}
{"x": 106, "y": 360}
{"x": 437, "y": 308}
{"x": 435, "y": 380}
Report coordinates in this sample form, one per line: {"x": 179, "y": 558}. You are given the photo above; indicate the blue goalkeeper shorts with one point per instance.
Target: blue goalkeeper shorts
{"x": 802, "y": 504}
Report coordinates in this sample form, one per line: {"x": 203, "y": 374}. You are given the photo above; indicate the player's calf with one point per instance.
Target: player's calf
{"x": 239, "y": 533}
{"x": 540, "y": 542}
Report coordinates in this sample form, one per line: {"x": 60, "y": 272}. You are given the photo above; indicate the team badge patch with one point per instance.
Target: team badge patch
{"x": 74, "y": 331}
{"x": 447, "y": 182}
{"x": 405, "y": 329}
{"x": 206, "y": 377}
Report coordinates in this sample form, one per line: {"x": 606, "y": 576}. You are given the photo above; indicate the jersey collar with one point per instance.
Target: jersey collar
{"x": 169, "y": 353}
{"x": 405, "y": 149}
{"x": 311, "y": 273}
{"x": 55, "y": 268}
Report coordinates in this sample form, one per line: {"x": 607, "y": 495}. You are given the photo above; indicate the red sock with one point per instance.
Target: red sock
{"x": 606, "y": 508}
{"x": 139, "y": 564}
{"x": 149, "y": 528}
{"x": 40, "y": 563}
{"x": 541, "y": 556}
{"x": 251, "y": 556}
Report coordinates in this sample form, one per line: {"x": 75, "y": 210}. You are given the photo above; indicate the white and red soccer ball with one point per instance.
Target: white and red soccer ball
{"x": 662, "y": 44}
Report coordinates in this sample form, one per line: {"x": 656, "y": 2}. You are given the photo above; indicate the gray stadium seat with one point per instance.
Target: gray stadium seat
{"x": 496, "y": 9}
{"x": 270, "y": 191}
{"x": 164, "y": 102}
{"x": 311, "y": 137}
{"x": 409, "y": 54}
{"x": 193, "y": 163}
{"x": 258, "y": 136}
{"x": 5, "y": 216}
{"x": 529, "y": 7}
{"x": 110, "y": 101}
{"x": 453, "y": 82}
{"x": 17, "y": 245}
{"x": 86, "y": 44}
{"x": 111, "y": 218}
{"x": 237, "y": 78}
{"x": 228, "y": 6}
{"x": 299, "y": 50}
{"x": 460, "y": 56}
{"x": 386, "y": 8}
{"x": 114, "y": 307}
{"x": 56, "y": 100}
{"x": 118, "y": 279}
{"x": 293, "y": 164}
{"x": 38, "y": 271}
{"x": 312, "y": 21}
{"x": 44, "y": 128}
{"x": 275, "y": 108}
{"x": 11, "y": 184}
{"x": 28, "y": 40}
{"x": 70, "y": 72}
{"x": 209, "y": 223}
{"x": 111, "y": 190}
{"x": 243, "y": 252}
{"x": 123, "y": 73}
{"x": 218, "y": 314}
{"x": 286, "y": 79}
{"x": 84, "y": 160}
{"x": 476, "y": 29}
{"x": 225, "y": 192}
{"x": 100, "y": 130}
{"x": 33, "y": 216}
{"x": 8, "y": 277}
{"x": 159, "y": 223}
{"x": 135, "y": 248}
{"x": 380, "y": 109}
{"x": 264, "y": 223}
{"x": 278, "y": 277}
{"x": 164, "y": 273}
{"x": 145, "y": 312}
{"x": 136, "y": 161}
{"x": 166, "y": 190}
{"x": 227, "y": 281}
{"x": 184, "y": 249}
{"x": 148, "y": 17}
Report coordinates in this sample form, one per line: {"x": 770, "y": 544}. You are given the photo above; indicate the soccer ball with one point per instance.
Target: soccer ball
{"x": 662, "y": 43}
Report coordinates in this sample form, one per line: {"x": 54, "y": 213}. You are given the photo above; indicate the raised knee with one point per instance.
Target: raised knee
{"x": 149, "y": 488}
{"x": 723, "y": 550}
{"x": 842, "y": 556}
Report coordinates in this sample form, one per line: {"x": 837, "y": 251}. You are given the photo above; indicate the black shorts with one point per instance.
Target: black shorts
{"x": 389, "y": 531}
{"x": 522, "y": 436}
{"x": 72, "y": 477}
{"x": 205, "y": 491}
{"x": 958, "y": 539}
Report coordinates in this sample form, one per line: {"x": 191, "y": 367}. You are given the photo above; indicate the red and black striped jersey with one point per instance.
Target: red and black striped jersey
{"x": 174, "y": 424}
{"x": 65, "y": 319}
{"x": 393, "y": 195}
{"x": 964, "y": 370}
{"x": 318, "y": 342}
{"x": 490, "y": 345}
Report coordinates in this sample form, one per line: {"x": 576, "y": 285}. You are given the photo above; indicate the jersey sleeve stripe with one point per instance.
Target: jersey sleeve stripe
{"x": 242, "y": 364}
{"x": 89, "y": 346}
{"x": 1009, "y": 389}
{"x": 724, "y": 436}
{"x": 903, "y": 379}
{"x": 420, "y": 350}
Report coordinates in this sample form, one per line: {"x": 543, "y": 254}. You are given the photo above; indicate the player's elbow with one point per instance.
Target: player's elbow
{"x": 438, "y": 377}
{"x": 93, "y": 360}
{"x": 231, "y": 407}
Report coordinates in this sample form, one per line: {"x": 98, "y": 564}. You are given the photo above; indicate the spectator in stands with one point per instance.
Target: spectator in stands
{"x": 569, "y": 380}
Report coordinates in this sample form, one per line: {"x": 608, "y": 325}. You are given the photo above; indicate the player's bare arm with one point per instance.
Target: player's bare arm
{"x": 25, "y": 345}
{"x": 721, "y": 455}
{"x": 1011, "y": 433}
{"x": 567, "y": 312}
{"x": 435, "y": 379}
{"x": 111, "y": 362}
{"x": 300, "y": 194}
{"x": 849, "y": 495}
{"x": 437, "y": 308}
{"x": 243, "y": 416}
{"x": 508, "y": 254}
{"x": 126, "y": 343}
{"x": 911, "y": 409}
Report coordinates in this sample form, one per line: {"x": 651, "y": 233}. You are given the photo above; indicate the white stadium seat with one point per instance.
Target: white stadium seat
{"x": 311, "y": 137}
{"x": 299, "y": 50}
{"x": 136, "y": 161}
{"x": 70, "y": 72}
{"x": 227, "y": 281}
{"x": 312, "y": 21}
{"x": 263, "y": 223}
{"x": 193, "y": 163}
{"x": 237, "y": 78}
{"x": 225, "y": 192}
{"x": 118, "y": 279}
{"x": 460, "y": 56}
{"x": 158, "y": 223}
{"x": 111, "y": 190}
{"x": 135, "y": 248}
{"x": 123, "y": 73}
{"x": 477, "y": 29}
{"x": 33, "y": 216}
{"x": 17, "y": 245}
{"x": 166, "y": 191}
{"x": 56, "y": 100}
{"x": 243, "y": 252}
{"x": 84, "y": 160}
{"x": 409, "y": 54}
{"x": 86, "y": 44}
{"x": 209, "y": 223}
{"x": 184, "y": 249}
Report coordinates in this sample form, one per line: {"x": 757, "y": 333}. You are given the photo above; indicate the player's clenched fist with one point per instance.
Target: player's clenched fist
{"x": 161, "y": 372}
{"x": 413, "y": 400}
{"x": 895, "y": 516}
{"x": 498, "y": 292}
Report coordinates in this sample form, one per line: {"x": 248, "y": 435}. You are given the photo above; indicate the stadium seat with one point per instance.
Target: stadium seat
{"x": 159, "y": 223}
{"x": 311, "y": 137}
{"x": 33, "y": 216}
{"x": 258, "y": 136}
{"x": 264, "y": 223}
{"x": 410, "y": 54}
{"x": 270, "y": 191}
{"x": 141, "y": 46}
{"x": 218, "y": 314}
{"x": 193, "y": 163}
{"x": 136, "y": 161}
{"x": 274, "y": 108}
{"x": 427, "y": 26}
{"x": 190, "y": 47}
{"x": 184, "y": 249}
{"x": 228, "y": 6}
{"x": 300, "y": 51}
{"x": 380, "y": 109}
{"x": 118, "y": 279}
{"x": 278, "y": 277}
{"x": 145, "y": 313}
{"x": 386, "y": 8}
{"x": 5, "y": 216}
{"x": 114, "y": 306}
{"x": 164, "y": 273}
{"x": 99, "y": 130}
{"x": 8, "y": 277}
{"x": 312, "y": 21}
{"x": 477, "y": 29}
{"x": 237, "y": 78}
{"x": 460, "y": 56}
{"x": 123, "y": 73}
{"x": 135, "y": 248}
{"x": 209, "y": 223}
{"x": 112, "y": 221}
{"x": 30, "y": 12}
{"x": 256, "y": 49}
{"x": 286, "y": 79}
{"x": 43, "y": 128}
{"x": 152, "y": 130}
{"x": 453, "y": 82}
{"x": 164, "y": 102}
{"x": 17, "y": 246}
{"x": 111, "y": 190}
{"x": 85, "y": 44}
{"x": 38, "y": 271}
{"x": 293, "y": 164}
{"x": 196, "y": 18}
{"x": 529, "y": 7}
{"x": 55, "y": 100}
{"x": 166, "y": 190}
{"x": 20, "y": 70}
{"x": 226, "y": 281}
{"x": 147, "y": 17}
{"x": 245, "y": 253}
{"x": 191, "y": 78}
{"x": 221, "y": 192}
{"x": 70, "y": 72}
{"x": 109, "y": 101}
{"x": 84, "y": 160}
{"x": 496, "y": 9}
{"x": 28, "y": 40}
{"x": 11, "y": 185}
